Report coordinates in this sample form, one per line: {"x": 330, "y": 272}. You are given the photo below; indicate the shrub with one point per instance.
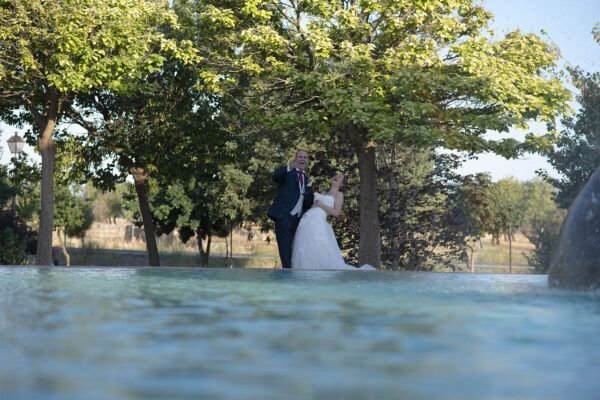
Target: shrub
{"x": 17, "y": 240}
{"x": 544, "y": 236}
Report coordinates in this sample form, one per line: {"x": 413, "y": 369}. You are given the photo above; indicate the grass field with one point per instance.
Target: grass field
{"x": 105, "y": 245}
{"x": 498, "y": 254}
{"x": 116, "y": 257}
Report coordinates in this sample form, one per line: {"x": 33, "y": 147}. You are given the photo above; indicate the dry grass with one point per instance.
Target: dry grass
{"x": 105, "y": 243}
{"x": 107, "y": 257}
{"x": 498, "y": 254}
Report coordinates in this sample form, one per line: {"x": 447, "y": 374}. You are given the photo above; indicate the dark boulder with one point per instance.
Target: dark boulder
{"x": 576, "y": 260}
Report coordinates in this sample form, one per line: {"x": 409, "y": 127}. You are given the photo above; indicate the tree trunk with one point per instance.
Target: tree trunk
{"x": 509, "y": 254}
{"x": 395, "y": 217}
{"x": 472, "y": 258}
{"x": 62, "y": 239}
{"x": 140, "y": 177}
{"x": 201, "y": 253}
{"x": 369, "y": 251}
{"x": 204, "y": 254}
{"x": 231, "y": 248}
{"x": 225, "y": 262}
{"x": 46, "y": 145}
{"x": 208, "y": 242}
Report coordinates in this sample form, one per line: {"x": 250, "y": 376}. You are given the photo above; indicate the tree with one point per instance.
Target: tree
{"x": 6, "y": 187}
{"x": 141, "y": 133}
{"x": 424, "y": 225}
{"x": 26, "y": 176}
{"x": 576, "y": 154}
{"x": 506, "y": 199}
{"x": 107, "y": 206}
{"x": 475, "y": 200}
{"x": 366, "y": 73}
{"x": 52, "y": 52}
{"x": 157, "y": 131}
{"x": 17, "y": 240}
{"x": 204, "y": 206}
{"x": 73, "y": 215}
{"x": 542, "y": 223}
{"x": 204, "y": 192}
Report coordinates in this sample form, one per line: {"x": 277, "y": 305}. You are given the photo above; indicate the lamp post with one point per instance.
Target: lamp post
{"x": 15, "y": 145}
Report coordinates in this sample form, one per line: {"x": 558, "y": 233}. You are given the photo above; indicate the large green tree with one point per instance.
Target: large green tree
{"x": 164, "y": 129}
{"x": 144, "y": 133}
{"x": 424, "y": 224}
{"x": 575, "y": 156}
{"x": 368, "y": 72}
{"x": 52, "y": 52}
{"x": 577, "y": 152}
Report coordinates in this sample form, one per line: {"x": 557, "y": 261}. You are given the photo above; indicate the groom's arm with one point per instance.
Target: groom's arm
{"x": 280, "y": 173}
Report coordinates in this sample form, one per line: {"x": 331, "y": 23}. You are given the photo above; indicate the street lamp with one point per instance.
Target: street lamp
{"x": 15, "y": 145}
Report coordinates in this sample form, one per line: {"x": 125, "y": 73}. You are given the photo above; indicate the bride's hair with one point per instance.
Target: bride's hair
{"x": 342, "y": 180}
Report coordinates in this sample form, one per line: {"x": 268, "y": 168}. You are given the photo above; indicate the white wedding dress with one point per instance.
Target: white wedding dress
{"x": 315, "y": 246}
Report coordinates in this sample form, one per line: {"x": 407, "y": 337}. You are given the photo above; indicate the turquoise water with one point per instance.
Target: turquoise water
{"x": 181, "y": 333}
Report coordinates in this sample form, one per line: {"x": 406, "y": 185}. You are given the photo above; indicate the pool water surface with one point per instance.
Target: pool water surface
{"x": 189, "y": 333}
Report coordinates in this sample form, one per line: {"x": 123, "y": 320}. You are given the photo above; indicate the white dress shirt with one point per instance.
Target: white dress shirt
{"x": 298, "y": 207}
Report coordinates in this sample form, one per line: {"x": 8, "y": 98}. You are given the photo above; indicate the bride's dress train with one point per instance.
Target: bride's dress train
{"x": 315, "y": 246}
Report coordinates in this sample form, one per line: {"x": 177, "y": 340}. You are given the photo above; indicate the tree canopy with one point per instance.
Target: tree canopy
{"x": 51, "y": 52}
{"x": 576, "y": 154}
{"x": 154, "y": 84}
{"x": 428, "y": 74}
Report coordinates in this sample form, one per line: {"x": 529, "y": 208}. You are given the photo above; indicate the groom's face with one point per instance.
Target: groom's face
{"x": 301, "y": 160}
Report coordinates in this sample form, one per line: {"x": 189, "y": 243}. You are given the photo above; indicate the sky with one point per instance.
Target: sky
{"x": 567, "y": 23}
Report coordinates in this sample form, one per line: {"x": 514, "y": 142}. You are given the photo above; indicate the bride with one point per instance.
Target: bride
{"x": 315, "y": 245}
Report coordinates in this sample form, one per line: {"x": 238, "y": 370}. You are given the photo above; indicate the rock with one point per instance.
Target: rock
{"x": 576, "y": 260}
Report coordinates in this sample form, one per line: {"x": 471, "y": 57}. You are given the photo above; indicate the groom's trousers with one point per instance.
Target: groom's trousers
{"x": 285, "y": 228}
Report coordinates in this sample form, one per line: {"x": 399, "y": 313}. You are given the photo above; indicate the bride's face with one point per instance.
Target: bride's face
{"x": 337, "y": 181}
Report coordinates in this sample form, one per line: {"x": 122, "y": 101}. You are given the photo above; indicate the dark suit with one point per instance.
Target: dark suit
{"x": 288, "y": 193}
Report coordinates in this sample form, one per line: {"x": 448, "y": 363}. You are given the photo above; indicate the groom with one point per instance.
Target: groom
{"x": 294, "y": 195}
